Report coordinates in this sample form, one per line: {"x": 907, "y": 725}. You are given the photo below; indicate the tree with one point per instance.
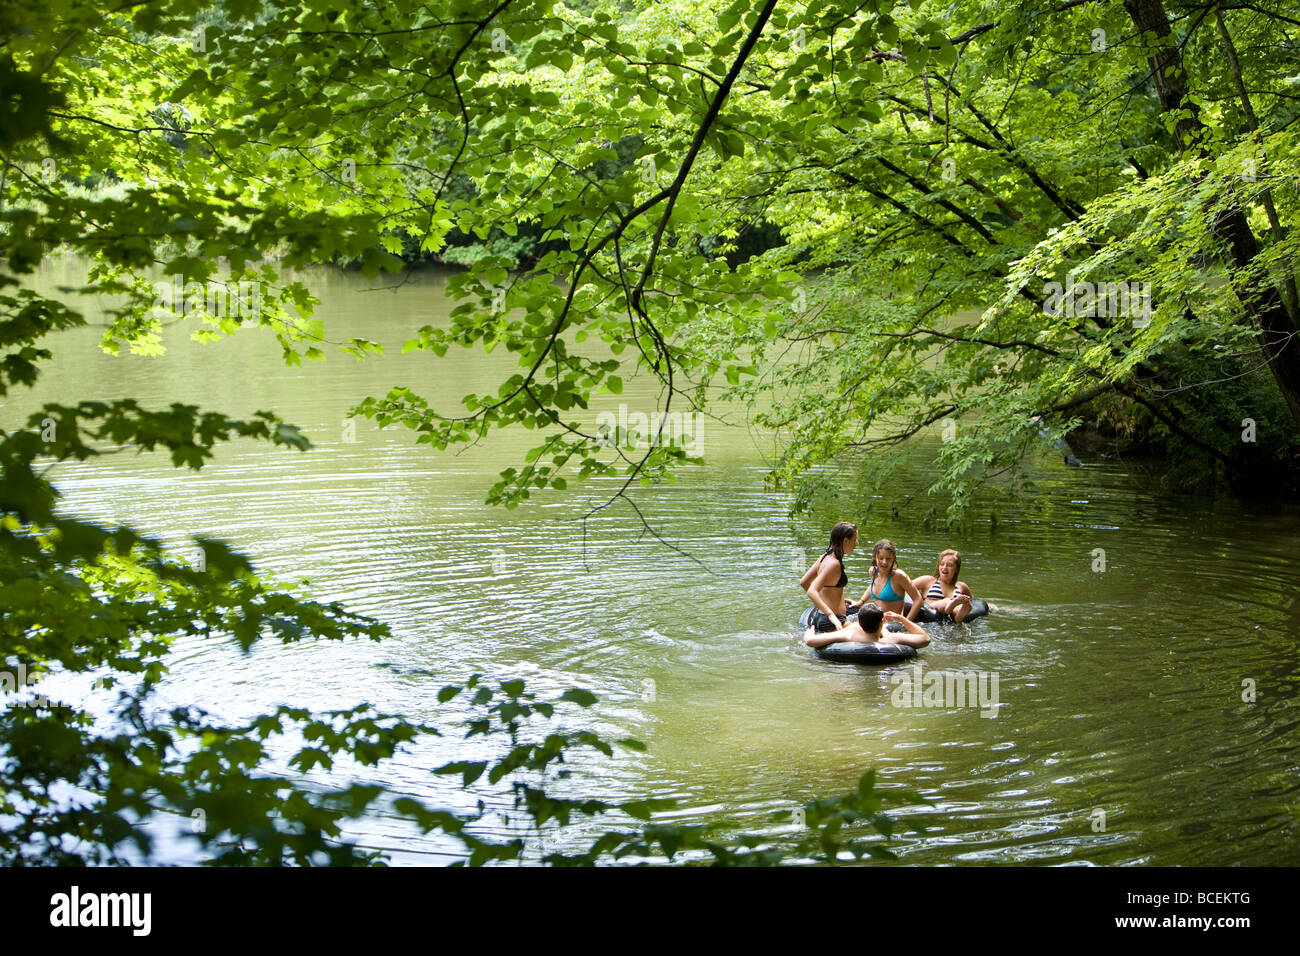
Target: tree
{"x": 1051, "y": 181}
{"x": 201, "y": 139}
{"x": 939, "y": 161}
{"x": 1110, "y": 187}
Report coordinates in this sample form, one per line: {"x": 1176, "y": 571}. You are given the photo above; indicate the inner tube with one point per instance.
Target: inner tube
{"x": 805, "y": 619}
{"x": 978, "y": 608}
{"x": 858, "y": 652}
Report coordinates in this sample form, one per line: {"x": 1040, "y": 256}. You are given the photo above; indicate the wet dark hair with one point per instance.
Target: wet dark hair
{"x": 870, "y": 619}
{"x": 844, "y": 531}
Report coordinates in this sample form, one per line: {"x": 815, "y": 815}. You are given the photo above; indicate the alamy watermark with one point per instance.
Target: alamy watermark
{"x": 11, "y": 683}
{"x": 912, "y": 687}
{"x": 18, "y": 683}
{"x": 641, "y": 430}
{"x": 1130, "y": 300}
{"x": 220, "y": 300}
{"x": 129, "y": 910}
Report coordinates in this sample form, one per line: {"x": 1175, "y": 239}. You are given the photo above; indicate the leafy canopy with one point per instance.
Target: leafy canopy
{"x": 212, "y": 143}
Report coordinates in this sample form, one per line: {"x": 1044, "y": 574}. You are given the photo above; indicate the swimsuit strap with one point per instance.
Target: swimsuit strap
{"x": 844, "y": 575}
{"x": 889, "y": 583}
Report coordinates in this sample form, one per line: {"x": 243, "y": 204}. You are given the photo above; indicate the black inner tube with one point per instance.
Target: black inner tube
{"x": 861, "y": 652}
{"x": 928, "y": 615}
{"x": 858, "y": 652}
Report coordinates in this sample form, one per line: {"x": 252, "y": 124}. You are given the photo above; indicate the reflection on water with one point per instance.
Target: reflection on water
{"x": 1122, "y": 735}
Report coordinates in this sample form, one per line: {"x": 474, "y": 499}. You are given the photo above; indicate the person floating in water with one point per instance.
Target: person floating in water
{"x": 824, "y": 582}
{"x": 943, "y": 592}
{"x": 889, "y": 583}
{"x": 869, "y": 628}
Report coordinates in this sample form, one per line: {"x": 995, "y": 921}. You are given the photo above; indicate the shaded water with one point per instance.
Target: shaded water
{"x": 1120, "y": 692}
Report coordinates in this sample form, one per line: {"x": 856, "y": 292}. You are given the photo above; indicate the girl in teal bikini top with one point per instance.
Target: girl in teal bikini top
{"x": 887, "y": 594}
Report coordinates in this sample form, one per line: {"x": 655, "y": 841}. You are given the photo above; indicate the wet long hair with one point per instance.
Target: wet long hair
{"x": 956, "y": 556}
{"x": 844, "y": 531}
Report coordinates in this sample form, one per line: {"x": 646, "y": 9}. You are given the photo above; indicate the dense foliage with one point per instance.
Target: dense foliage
{"x": 207, "y": 143}
{"x": 872, "y": 221}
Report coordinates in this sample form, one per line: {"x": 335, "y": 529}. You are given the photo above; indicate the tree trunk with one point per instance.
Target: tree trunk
{"x": 1265, "y": 307}
{"x": 1289, "y": 292}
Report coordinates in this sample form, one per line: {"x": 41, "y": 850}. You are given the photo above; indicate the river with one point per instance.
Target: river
{"x": 1146, "y": 704}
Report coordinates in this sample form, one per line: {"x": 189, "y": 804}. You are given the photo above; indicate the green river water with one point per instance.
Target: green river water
{"x": 1121, "y": 735}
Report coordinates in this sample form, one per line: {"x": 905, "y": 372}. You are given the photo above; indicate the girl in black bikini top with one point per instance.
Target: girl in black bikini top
{"x": 844, "y": 538}
{"x": 844, "y": 575}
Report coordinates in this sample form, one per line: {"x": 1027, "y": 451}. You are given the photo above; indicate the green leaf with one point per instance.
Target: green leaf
{"x": 469, "y": 770}
{"x": 576, "y": 695}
